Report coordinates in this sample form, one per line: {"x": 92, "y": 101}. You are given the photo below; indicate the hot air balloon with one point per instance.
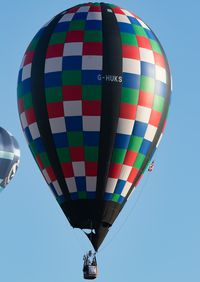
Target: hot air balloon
{"x": 9, "y": 157}
{"x": 93, "y": 96}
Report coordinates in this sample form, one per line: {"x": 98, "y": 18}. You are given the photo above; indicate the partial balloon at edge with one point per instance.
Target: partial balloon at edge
{"x": 9, "y": 157}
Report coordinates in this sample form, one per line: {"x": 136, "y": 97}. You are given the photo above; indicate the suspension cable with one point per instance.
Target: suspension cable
{"x": 139, "y": 194}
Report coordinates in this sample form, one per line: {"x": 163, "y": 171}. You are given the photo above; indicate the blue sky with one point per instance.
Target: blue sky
{"x": 160, "y": 238}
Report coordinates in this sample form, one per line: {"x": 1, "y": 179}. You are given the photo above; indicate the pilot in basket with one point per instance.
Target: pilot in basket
{"x": 90, "y": 266}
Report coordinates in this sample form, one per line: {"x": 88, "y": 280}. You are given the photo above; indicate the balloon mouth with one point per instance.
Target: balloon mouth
{"x": 94, "y": 217}
{"x": 96, "y": 237}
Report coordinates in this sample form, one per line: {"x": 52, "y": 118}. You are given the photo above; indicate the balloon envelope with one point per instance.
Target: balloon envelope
{"x": 9, "y": 157}
{"x": 93, "y": 95}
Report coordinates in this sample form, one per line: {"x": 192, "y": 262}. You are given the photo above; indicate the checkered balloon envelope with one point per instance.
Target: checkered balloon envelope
{"x": 9, "y": 157}
{"x": 93, "y": 96}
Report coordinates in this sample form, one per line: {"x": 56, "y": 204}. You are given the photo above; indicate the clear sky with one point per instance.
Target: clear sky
{"x": 160, "y": 240}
